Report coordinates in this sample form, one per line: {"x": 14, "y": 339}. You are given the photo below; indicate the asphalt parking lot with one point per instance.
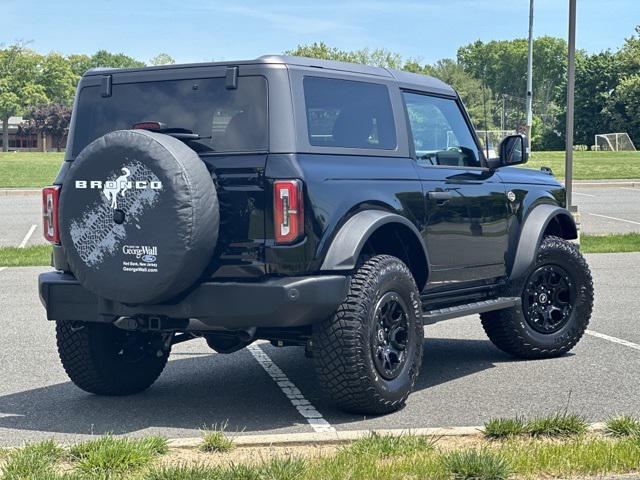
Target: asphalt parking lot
{"x": 464, "y": 380}
{"x": 603, "y": 210}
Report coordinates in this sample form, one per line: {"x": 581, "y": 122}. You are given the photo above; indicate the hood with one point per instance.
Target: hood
{"x": 527, "y": 176}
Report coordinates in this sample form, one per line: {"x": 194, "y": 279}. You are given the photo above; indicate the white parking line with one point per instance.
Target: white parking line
{"x": 619, "y": 341}
{"x": 304, "y": 406}
{"x": 26, "y": 238}
{"x": 615, "y": 218}
{"x": 629, "y": 188}
{"x": 584, "y": 194}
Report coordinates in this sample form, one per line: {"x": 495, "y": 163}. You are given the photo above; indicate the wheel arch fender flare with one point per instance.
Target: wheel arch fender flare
{"x": 532, "y": 233}
{"x": 347, "y": 244}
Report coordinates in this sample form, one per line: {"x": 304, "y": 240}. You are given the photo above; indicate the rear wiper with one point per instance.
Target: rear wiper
{"x": 183, "y": 134}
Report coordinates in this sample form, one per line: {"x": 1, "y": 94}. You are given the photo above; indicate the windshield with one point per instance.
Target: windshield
{"x": 226, "y": 120}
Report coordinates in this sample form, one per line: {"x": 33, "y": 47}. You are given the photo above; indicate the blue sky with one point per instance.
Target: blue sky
{"x": 194, "y": 31}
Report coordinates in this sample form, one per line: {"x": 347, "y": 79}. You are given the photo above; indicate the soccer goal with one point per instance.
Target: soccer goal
{"x": 614, "y": 142}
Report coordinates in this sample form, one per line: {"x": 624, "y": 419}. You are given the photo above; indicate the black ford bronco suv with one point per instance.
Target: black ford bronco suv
{"x": 322, "y": 204}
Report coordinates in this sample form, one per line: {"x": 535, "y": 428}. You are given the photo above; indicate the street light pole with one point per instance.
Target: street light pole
{"x": 571, "y": 73}
{"x": 530, "y": 75}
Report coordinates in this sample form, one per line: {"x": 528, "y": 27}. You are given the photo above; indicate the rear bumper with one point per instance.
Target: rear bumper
{"x": 277, "y": 302}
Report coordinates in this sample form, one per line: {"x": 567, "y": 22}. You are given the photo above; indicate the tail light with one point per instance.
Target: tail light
{"x": 289, "y": 211}
{"x": 50, "y": 228}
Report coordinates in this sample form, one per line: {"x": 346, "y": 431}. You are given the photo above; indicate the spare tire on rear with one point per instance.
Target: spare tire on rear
{"x": 138, "y": 217}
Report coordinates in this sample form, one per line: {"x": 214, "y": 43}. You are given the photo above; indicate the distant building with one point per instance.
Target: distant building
{"x": 21, "y": 141}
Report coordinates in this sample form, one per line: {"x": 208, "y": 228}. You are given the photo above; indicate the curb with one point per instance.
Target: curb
{"x": 606, "y": 183}
{"x": 19, "y": 192}
{"x": 338, "y": 437}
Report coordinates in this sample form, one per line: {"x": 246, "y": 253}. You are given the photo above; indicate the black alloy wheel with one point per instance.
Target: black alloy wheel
{"x": 389, "y": 342}
{"x": 548, "y": 299}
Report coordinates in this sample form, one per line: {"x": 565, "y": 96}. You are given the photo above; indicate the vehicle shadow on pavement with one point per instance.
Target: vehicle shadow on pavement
{"x": 204, "y": 390}
{"x": 192, "y": 393}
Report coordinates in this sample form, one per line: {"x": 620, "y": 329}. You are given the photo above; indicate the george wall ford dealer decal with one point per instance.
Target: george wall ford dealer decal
{"x": 134, "y": 189}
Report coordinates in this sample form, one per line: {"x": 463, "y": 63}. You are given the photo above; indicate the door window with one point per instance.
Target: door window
{"x": 441, "y": 135}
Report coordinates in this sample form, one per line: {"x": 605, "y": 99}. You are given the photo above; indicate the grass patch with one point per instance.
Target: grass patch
{"x": 623, "y": 426}
{"x": 590, "y": 165}
{"x": 35, "y": 460}
{"x": 25, "y": 257}
{"x": 559, "y": 424}
{"x": 29, "y": 170}
{"x": 183, "y": 472}
{"x": 556, "y": 425}
{"x": 478, "y": 464}
{"x": 615, "y": 243}
{"x": 215, "y": 439}
{"x": 572, "y": 457}
{"x": 505, "y": 427}
{"x": 109, "y": 456}
{"x": 382, "y": 446}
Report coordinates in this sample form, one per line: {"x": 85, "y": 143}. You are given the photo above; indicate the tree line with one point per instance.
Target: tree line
{"x": 489, "y": 76}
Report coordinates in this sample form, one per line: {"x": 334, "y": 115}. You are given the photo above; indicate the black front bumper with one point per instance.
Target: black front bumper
{"x": 275, "y": 302}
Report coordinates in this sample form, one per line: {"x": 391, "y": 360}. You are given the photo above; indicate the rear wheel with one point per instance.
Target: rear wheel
{"x": 557, "y": 299}
{"x": 105, "y": 360}
{"x": 369, "y": 353}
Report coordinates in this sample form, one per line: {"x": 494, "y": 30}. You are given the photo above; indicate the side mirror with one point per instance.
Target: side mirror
{"x": 514, "y": 150}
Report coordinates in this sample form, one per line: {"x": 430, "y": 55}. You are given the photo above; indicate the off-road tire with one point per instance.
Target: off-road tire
{"x": 342, "y": 344}
{"x": 88, "y": 352}
{"x": 509, "y": 330}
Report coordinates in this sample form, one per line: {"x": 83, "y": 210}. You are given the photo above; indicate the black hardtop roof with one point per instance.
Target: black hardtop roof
{"x": 405, "y": 79}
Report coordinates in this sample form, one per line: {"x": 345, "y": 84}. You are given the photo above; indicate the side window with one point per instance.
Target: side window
{"x": 344, "y": 113}
{"x": 440, "y": 134}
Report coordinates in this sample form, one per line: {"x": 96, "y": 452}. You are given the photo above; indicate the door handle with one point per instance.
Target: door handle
{"x": 441, "y": 197}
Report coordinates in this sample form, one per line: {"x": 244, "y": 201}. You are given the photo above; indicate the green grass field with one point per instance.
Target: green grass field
{"x": 28, "y": 170}
{"x": 35, "y": 170}
{"x": 590, "y": 165}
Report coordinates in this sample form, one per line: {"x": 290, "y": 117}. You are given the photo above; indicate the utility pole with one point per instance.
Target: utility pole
{"x": 571, "y": 73}
{"x": 530, "y": 75}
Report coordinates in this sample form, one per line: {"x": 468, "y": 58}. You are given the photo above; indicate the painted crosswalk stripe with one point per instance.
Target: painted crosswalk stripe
{"x": 619, "y": 341}
{"x": 295, "y": 396}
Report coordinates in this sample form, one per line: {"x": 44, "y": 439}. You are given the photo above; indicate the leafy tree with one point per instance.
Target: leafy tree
{"x": 52, "y": 119}
{"x": 596, "y": 78}
{"x": 58, "y": 79}
{"x": 79, "y": 64}
{"x": 102, "y": 58}
{"x": 162, "y": 59}
{"x": 20, "y": 70}
{"x": 502, "y": 66}
{"x": 378, "y": 57}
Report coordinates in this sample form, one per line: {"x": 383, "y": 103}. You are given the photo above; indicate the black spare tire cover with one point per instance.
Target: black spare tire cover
{"x": 138, "y": 217}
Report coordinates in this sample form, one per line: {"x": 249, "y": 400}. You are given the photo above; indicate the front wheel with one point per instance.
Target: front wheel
{"x": 369, "y": 353}
{"x": 557, "y": 300}
{"x": 105, "y": 360}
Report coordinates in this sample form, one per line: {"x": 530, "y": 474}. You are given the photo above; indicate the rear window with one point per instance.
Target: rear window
{"x": 344, "y": 113}
{"x": 229, "y": 120}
